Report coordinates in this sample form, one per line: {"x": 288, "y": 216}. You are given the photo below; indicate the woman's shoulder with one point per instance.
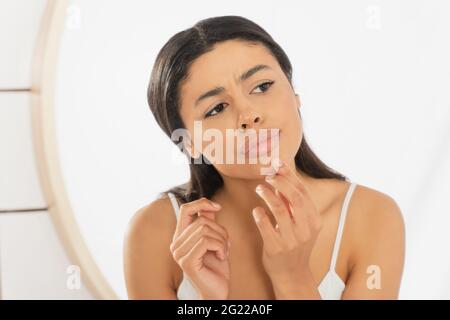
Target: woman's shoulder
{"x": 154, "y": 215}
{"x": 371, "y": 213}
{"x": 364, "y": 198}
{"x": 150, "y": 230}
{"x": 374, "y": 203}
{"x": 374, "y": 215}
{"x": 376, "y": 233}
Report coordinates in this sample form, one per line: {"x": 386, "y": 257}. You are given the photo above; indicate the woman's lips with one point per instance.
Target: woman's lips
{"x": 253, "y": 145}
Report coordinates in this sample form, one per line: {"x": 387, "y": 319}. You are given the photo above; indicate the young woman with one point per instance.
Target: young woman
{"x": 230, "y": 232}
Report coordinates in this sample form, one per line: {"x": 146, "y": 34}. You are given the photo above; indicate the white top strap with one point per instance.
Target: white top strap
{"x": 340, "y": 229}
{"x": 174, "y": 201}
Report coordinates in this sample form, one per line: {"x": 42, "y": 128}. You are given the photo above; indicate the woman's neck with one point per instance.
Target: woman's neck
{"x": 240, "y": 197}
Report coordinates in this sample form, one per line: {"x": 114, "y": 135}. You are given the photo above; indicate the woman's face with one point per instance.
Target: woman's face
{"x": 264, "y": 99}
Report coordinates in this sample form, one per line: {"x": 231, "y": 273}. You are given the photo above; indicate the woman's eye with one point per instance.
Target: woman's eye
{"x": 218, "y": 108}
{"x": 215, "y": 110}
{"x": 266, "y": 85}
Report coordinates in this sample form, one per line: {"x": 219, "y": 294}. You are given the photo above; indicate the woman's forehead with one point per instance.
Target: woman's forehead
{"x": 225, "y": 63}
{"x": 228, "y": 58}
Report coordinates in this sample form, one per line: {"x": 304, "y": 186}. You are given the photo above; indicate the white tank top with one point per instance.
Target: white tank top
{"x": 331, "y": 286}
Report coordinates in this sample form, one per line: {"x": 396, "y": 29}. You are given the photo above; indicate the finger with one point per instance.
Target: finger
{"x": 286, "y": 202}
{"x": 197, "y": 226}
{"x": 268, "y": 233}
{"x": 291, "y": 176}
{"x": 214, "y": 225}
{"x": 294, "y": 197}
{"x": 202, "y": 246}
{"x": 201, "y": 232}
{"x": 190, "y": 209}
{"x": 208, "y": 214}
{"x": 282, "y": 169}
{"x": 279, "y": 210}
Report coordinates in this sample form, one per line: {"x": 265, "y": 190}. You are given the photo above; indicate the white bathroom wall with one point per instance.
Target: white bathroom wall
{"x": 19, "y": 183}
{"x": 33, "y": 263}
{"x": 19, "y": 22}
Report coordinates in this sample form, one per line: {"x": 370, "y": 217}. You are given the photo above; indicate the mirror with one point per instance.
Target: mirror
{"x": 354, "y": 67}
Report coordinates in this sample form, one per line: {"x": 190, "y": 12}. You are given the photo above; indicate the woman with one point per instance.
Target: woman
{"x": 230, "y": 232}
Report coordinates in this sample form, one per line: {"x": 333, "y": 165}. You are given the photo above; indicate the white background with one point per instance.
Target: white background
{"x": 33, "y": 263}
{"x": 373, "y": 77}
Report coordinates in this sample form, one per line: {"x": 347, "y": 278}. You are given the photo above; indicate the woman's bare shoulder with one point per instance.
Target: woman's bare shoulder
{"x": 150, "y": 269}
{"x": 376, "y": 231}
{"x": 375, "y": 204}
{"x": 374, "y": 216}
{"x": 158, "y": 213}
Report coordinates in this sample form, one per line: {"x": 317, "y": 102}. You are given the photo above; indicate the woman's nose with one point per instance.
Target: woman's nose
{"x": 249, "y": 121}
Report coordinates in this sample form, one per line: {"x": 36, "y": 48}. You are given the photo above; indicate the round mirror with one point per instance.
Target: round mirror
{"x": 102, "y": 155}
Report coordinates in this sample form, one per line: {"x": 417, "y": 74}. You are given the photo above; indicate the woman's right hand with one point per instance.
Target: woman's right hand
{"x": 200, "y": 247}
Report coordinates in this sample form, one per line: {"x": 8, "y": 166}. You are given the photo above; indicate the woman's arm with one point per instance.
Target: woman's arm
{"x": 378, "y": 239}
{"x": 148, "y": 263}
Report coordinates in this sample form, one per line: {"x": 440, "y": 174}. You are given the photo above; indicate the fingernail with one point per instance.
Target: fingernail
{"x": 277, "y": 163}
{"x": 256, "y": 215}
{"x": 270, "y": 178}
{"x": 216, "y": 205}
{"x": 259, "y": 188}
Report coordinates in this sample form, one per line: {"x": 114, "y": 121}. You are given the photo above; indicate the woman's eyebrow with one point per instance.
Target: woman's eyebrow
{"x": 244, "y": 76}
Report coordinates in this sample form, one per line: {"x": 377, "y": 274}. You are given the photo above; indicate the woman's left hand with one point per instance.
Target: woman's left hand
{"x": 287, "y": 246}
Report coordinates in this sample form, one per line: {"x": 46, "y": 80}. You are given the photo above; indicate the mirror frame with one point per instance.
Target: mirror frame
{"x": 44, "y": 71}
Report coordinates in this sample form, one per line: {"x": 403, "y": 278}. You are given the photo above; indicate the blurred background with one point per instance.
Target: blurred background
{"x": 80, "y": 151}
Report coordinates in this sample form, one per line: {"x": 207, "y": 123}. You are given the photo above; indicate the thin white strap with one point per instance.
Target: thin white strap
{"x": 173, "y": 199}
{"x": 344, "y": 210}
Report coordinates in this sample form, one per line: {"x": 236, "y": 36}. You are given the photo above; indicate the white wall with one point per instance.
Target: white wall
{"x": 33, "y": 263}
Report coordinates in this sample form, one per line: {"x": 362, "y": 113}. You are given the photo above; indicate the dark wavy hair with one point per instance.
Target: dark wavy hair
{"x": 171, "y": 69}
